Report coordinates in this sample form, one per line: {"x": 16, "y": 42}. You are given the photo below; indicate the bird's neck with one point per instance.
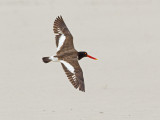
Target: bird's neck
{"x": 80, "y": 56}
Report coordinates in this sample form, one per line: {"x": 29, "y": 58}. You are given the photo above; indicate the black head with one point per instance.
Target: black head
{"x": 84, "y": 54}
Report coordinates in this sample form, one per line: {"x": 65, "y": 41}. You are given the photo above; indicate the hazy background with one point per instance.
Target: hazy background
{"x": 124, "y": 84}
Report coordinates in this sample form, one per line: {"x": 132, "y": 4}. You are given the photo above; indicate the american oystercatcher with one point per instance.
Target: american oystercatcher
{"x": 67, "y": 55}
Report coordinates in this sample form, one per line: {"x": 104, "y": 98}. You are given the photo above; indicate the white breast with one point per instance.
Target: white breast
{"x": 61, "y": 42}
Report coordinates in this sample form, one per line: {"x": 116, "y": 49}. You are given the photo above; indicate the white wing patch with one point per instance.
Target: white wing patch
{"x": 68, "y": 66}
{"x": 74, "y": 77}
{"x": 61, "y": 41}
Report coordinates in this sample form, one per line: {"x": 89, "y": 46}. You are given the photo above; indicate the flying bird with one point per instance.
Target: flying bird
{"x": 67, "y": 55}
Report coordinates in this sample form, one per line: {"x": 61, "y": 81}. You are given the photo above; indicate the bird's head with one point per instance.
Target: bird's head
{"x": 85, "y": 54}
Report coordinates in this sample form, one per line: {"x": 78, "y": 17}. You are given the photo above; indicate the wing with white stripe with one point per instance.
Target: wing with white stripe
{"x": 64, "y": 39}
{"x": 74, "y": 73}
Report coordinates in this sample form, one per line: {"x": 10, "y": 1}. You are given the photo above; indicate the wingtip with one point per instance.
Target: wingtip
{"x": 82, "y": 90}
{"x": 59, "y": 17}
{"x": 82, "y": 87}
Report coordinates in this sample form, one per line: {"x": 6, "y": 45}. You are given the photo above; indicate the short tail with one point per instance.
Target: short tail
{"x": 46, "y": 59}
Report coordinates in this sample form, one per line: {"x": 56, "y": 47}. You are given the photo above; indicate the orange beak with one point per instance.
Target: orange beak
{"x": 92, "y": 57}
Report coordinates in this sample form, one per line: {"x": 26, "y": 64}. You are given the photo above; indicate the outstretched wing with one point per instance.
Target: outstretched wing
{"x": 74, "y": 73}
{"x": 64, "y": 39}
